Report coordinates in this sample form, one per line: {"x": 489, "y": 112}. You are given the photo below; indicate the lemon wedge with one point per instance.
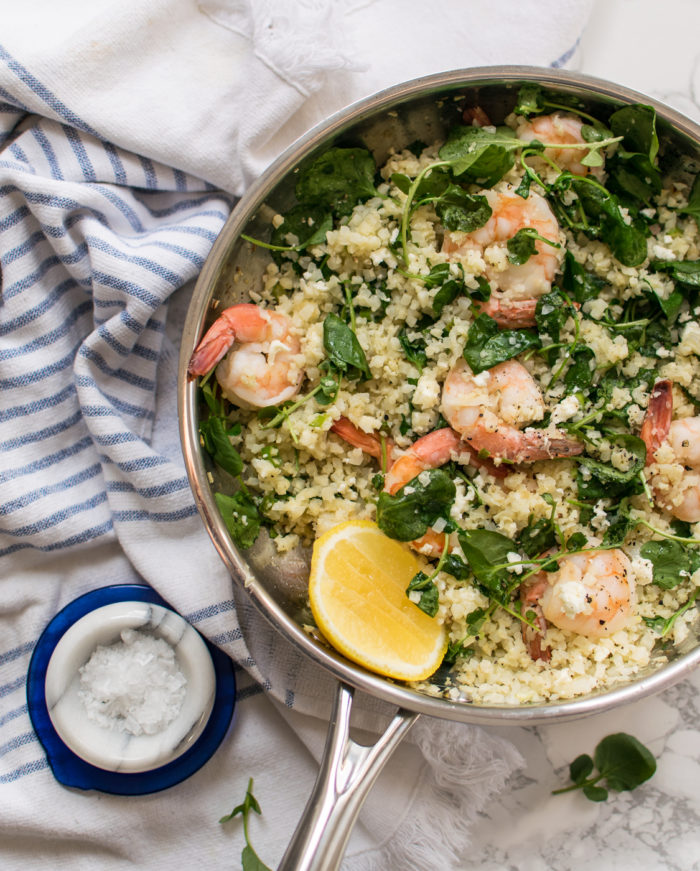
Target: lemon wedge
{"x": 357, "y": 592}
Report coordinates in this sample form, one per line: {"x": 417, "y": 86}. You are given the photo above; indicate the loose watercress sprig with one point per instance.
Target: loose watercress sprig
{"x": 622, "y": 761}
{"x": 250, "y": 861}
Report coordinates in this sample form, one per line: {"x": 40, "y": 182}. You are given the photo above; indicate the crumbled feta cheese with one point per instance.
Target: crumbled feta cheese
{"x": 573, "y": 598}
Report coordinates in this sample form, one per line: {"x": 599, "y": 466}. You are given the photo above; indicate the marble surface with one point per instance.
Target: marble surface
{"x": 651, "y": 47}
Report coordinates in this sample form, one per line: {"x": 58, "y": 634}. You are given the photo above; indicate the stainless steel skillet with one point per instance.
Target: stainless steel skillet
{"x": 418, "y": 110}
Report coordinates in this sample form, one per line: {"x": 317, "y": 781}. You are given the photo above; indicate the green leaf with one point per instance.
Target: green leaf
{"x": 637, "y": 126}
{"x": 579, "y": 375}
{"x": 241, "y": 516}
{"x": 522, "y": 246}
{"x": 487, "y": 553}
{"x": 624, "y": 761}
{"x": 414, "y": 350}
{"x": 693, "y": 207}
{"x": 454, "y": 565}
{"x": 343, "y": 348}
{"x": 461, "y": 211}
{"x": 338, "y": 179}
{"x": 251, "y": 862}
{"x": 620, "y": 525}
{"x": 217, "y": 443}
{"x": 671, "y": 560}
{"x": 685, "y": 272}
{"x": 581, "y": 768}
{"x": 635, "y": 448}
{"x": 486, "y": 345}
{"x": 577, "y": 541}
{"x": 627, "y": 241}
{"x": 578, "y": 282}
{"x": 305, "y": 221}
{"x": 407, "y": 514}
{"x": 530, "y": 101}
{"x": 537, "y": 536}
{"x": 595, "y": 793}
{"x": 478, "y": 155}
{"x": 429, "y": 601}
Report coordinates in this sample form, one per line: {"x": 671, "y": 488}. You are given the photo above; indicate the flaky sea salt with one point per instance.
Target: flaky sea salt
{"x": 134, "y": 685}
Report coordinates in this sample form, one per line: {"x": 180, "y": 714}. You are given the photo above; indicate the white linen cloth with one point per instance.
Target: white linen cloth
{"x": 127, "y": 130}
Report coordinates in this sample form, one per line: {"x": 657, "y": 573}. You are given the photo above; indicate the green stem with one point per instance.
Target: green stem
{"x": 640, "y": 522}
{"x": 406, "y": 214}
{"x": 284, "y": 414}
{"x": 590, "y": 782}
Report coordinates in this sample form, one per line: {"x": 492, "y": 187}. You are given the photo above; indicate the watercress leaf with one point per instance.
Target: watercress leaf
{"x": 407, "y": 514}
{"x": 594, "y": 793}
{"x": 217, "y": 443}
{"x": 454, "y": 565}
{"x": 669, "y": 560}
{"x": 485, "y": 552}
{"x": 577, "y": 541}
{"x": 636, "y": 452}
{"x": 414, "y": 350}
{"x": 693, "y": 207}
{"x": 579, "y": 375}
{"x": 343, "y": 347}
{"x": 634, "y": 176}
{"x": 250, "y": 860}
{"x": 479, "y": 155}
{"x": 462, "y": 211}
{"x": 627, "y": 241}
{"x": 475, "y": 621}
{"x": 456, "y": 649}
{"x": 578, "y": 282}
{"x": 429, "y": 601}
{"x": 581, "y": 768}
{"x": 685, "y": 272}
{"x": 486, "y": 345}
{"x": 551, "y": 313}
{"x": 624, "y": 761}
{"x": 660, "y": 625}
{"x": 239, "y": 809}
{"x": 448, "y": 293}
{"x": 306, "y": 223}
{"x": 522, "y": 246}
{"x": 338, "y": 179}
{"x": 537, "y": 536}
{"x": 438, "y": 275}
{"x": 402, "y": 181}
{"x": 637, "y": 126}
{"x": 241, "y": 516}
{"x": 530, "y": 101}
{"x": 482, "y": 290}
{"x": 619, "y": 525}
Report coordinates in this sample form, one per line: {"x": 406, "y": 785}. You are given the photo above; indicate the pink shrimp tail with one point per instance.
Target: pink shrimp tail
{"x": 376, "y": 446}
{"x": 510, "y": 314}
{"x": 244, "y": 323}
{"x": 657, "y": 421}
{"x": 533, "y": 639}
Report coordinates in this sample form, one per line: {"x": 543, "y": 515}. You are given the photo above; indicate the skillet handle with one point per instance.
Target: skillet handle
{"x": 347, "y": 772}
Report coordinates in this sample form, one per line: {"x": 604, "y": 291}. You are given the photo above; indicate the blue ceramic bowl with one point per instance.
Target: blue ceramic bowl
{"x": 85, "y": 755}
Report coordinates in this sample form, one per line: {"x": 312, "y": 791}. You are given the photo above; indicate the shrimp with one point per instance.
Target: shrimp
{"x": 559, "y": 129}
{"x": 592, "y": 594}
{"x": 428, "y": 452}
{"x": 264, "y": 366}
{"x": 515, "y": 287}
{"x": 673, "y": 448}
{"x": 488, "y": 409}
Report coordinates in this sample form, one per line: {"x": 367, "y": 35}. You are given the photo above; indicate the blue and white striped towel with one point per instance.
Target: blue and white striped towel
{"x": 125, "y": 136}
